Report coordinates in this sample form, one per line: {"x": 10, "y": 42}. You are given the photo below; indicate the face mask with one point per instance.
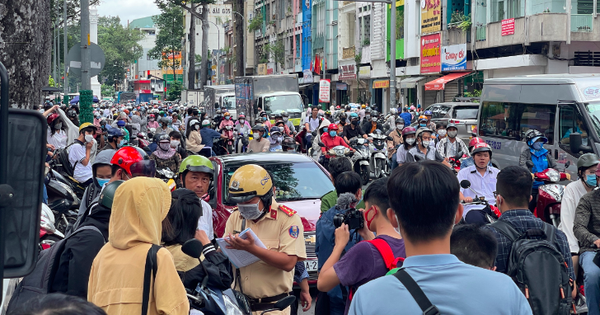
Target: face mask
{"x": 249, "y": 211}
{"x": 367, "y": 116}
{"x": 285, "y": 119}
{"x": 410, "y": 141}
{"x": 102, "y": 181}
{"x": 452, "y": 133}
{"x": 442, "y": 132}
{"x": 264, "y": 118}
{"x": 538, "y": 146}
{"x": 374, "y": 119}
{"x": 58, "y": 126}
{"x": 591, "y": 180}
{"x": 242, "y": 121}
{"x": 333, "y": 133}
{"x": 174, "y": 143}
{"x": 399, "y": 127}
{"x": 227, "y": 117}
{"x": 325, "y": 129}
{"x": 355, "y": 122}
{"x": 197, "y": 127}
{"x": 164, "y": 146}
{"x": 425, "y": 143}
{"x": 423, "y": 125}
{"x": 258, "y": 136}
{"x": 41, "y": 110}
{"x": 89, "y": 138}
{"x": 122, "y": 143}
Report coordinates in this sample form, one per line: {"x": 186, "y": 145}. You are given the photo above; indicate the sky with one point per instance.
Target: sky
{"x": 128, "y": 9}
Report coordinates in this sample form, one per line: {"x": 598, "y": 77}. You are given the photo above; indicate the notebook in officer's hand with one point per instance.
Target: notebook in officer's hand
{"x": 241, "y": 258}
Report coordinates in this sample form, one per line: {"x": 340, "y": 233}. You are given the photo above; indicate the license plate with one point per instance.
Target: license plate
{"x": 311, "y": 265}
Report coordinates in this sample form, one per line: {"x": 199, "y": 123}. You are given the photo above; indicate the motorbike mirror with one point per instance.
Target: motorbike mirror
{"x": 192, "y": 248}
{"x": 388, "y": 138}
{"x": 465, "y": 184}
{"x": 21, "y": 198}
{"x": 575, "y": 143}
{"x": 285, "y": 302}
{"x": 321, "y": 145}
{"x": 529, "y": 164}
{"x": 567, "y": 164}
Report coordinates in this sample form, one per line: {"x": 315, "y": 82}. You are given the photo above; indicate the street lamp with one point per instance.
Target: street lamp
{"x": 243, "y": 40}
{"x": 392, "y": 47}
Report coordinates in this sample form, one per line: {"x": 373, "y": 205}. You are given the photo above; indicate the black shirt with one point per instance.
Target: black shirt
{"x": 350, "y": 133}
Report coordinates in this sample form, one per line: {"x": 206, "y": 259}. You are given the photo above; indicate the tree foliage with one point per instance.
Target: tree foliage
{"x": 174, "y": 91}
{"x": 120, "y": 45}
{"x": 168, "y": 40}
{"x": 108, "y": 90}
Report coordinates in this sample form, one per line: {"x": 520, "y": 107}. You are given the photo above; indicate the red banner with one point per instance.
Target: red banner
{"x": 430, "y": 53}
{"x": 508, "y": 27}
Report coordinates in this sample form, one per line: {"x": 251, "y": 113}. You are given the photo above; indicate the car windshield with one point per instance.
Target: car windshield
{"x": 229, "y": 102}
{"x": 283, "y": 103}
{"x": 293, "y": 181}
{"x": 438, "y": 111}
{"x": 594, "y": 110}
{"x": 465, "y": 112}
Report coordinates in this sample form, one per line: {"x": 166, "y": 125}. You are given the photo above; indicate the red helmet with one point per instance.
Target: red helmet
{"x": 409, "y": 131}
{"x": 332, "y": 127}
{"x": 151, "y": 116}
{"x": 481, "y": 147}
{"x": 52, "y": 118}
{"x": 241, "y": 116}
{"x": 475, "y": 141}
{"x": 134, "y": 161}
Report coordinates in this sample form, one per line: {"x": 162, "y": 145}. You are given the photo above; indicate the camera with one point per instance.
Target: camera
{"x": 352, "y": 217}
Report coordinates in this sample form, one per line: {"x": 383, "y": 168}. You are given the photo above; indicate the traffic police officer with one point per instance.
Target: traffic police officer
{"x": 278, "y": 227}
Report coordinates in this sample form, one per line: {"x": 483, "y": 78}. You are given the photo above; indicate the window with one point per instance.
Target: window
{"x": 571, "y": 121}
{"x": 512, "y": 120}
{"x": 465, "y": 112}
{"x": 438, "y": 111}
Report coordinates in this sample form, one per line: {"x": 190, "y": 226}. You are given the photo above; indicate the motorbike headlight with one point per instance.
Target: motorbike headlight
{"x": 553, "y": 175}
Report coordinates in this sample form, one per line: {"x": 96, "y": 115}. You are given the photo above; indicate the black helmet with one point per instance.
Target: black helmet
{"x": 375, "y": 113}
{"x": 532, "y": 135}
{"x": 259, "y": 127}
{"x": 400, "y": 120}
{"x": 288, "y": 142}
{"x": 108, "y": 193}
{"x": 159, "y": 136}
{"x": 285, "y": 114}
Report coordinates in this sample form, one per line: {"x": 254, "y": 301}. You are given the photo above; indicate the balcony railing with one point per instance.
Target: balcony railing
{"x": 480, "y": 32}
{"x": 582, "y": 22}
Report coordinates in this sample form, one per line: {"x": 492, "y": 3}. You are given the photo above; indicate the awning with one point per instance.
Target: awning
{"x": 440, "y": 83}
{"x": 410, "y": 83}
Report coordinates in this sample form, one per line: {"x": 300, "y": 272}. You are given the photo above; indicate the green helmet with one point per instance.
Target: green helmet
{"x": 587, "y": 160}
{"x": 108, "y": 193}
{"x": 196, "y": 163}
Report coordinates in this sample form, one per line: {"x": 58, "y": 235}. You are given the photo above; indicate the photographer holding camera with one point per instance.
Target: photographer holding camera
{"x": 365, "y": 261}
{"x": 349, "y": 191}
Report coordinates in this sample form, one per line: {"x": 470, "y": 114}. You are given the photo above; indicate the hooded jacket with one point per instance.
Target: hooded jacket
{"x": 117, "y": 275}
{"x": 317, "y": 139}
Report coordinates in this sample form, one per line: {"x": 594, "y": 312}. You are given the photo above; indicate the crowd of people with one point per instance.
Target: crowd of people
{"x": 414, "y": 241}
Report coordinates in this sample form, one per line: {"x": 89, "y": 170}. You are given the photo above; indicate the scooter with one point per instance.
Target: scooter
{"x": 550, "y": 194}
{"x": 379, "y": 161}
{"x": 361, "y": 157}
{"x": 62, "y": 199}
{"x": 168, "y": 177}
{"x": 241, "y": 142}
{"x": 228, "y": 132}
{"x": 337, "y": 151}
{"x": 490, "y": 212}
{"x": 48, "y": 232}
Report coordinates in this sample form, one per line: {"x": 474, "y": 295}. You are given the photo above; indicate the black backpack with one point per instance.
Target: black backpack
{"x": 38, "y": 281}
{"x": 538, "y": 268}
{"x": 61, "y": 161}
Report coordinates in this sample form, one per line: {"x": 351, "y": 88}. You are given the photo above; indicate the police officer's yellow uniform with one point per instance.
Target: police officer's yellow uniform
{"x": 280, "y": 230}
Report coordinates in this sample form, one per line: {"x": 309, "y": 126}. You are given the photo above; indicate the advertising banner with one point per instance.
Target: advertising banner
{"x": 431, "y": 16}
{"x": 381, "y": 84}
{"x": 508, "y": 27}
{"x": 430, "y": 53}
{"x": 324, "y": 91}
{"x": 454, "y": 57}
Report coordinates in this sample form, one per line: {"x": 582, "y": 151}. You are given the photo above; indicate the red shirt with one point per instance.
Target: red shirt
{"x": 330, "y": 143}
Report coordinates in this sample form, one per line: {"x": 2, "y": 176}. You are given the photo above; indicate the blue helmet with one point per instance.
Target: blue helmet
{"x": 353, "y": 115}
{"x": 427, "y": 113}
{"x": 114, "y": 132}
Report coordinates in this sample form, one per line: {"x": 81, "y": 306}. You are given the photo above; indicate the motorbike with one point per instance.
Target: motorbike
{"x": 337, "y": 151}
{"x": 361, "y": 158}
{"x": 241, "y": 141}
{"x": 220, "y": 147}
{"x": 168, "y": 176}
{"x": 491, "y": 212}
{"x": 228, "y": 132}
{"x": 379, "y": 161}
{"x": 62, "y": 199}
{"x": 550, "y": 194}
{"x": 48, "y": 232}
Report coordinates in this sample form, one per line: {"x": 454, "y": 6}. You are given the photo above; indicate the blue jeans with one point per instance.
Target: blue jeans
{"x": 591, "y": 282}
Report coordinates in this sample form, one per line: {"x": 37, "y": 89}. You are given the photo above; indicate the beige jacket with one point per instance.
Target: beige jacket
{"x": 117, "y": 274}
{"x": 194, "y": 142}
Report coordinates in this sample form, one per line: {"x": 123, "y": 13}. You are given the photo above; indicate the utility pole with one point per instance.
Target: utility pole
{"x": 65, "y": 83}
{"x": 393, "y": 11}
{"x": 85, "y": 94}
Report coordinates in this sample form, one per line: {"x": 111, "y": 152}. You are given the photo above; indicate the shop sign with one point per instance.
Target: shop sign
{"x": 347, "y": 72}
{"x": 262, "y": 69}
{"x": 431, "y": 16}
{"x": 508, "y": 27}
{"x": 381, "y": 84}
{"x": 308, "y": 76}
{"x": 430, "y": 53}
{"x": 365, "y": 71}
{"x": 341, "y": 86}
{"x": 324, "y": 91}
{"x": 454, "y": 57}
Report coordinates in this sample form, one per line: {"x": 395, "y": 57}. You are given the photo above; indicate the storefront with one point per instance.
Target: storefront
{"x": 409, "y": 90}
{"x": 450, "y": 85}
{"x": 378, "y": 93}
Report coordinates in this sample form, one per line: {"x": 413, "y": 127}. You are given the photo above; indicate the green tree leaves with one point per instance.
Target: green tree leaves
{"x": 120, "y": 45}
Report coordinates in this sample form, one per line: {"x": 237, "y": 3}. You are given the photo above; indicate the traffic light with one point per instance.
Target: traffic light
{"x": 148, "y": 74}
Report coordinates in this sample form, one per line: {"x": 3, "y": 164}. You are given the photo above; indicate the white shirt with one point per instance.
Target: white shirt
{"x": 205, "y": 223}
{"x": 58, "y": 140}
{"x": 573, "y": 193}
{"x": 483, "y": 185}
{"x": 313, "y": 123}
{"x": 76, "y": 154}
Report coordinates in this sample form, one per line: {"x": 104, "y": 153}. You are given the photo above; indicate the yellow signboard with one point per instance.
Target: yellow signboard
{"x": 381, "y": 84}
{"x": 431, "y": 16}
{"x": 262, "y": 69}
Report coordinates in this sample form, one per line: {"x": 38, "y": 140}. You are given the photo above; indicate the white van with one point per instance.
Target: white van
{"x": 556, "y": 105}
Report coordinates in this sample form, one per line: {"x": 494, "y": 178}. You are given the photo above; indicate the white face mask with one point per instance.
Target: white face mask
{"x": 249, "y": 211}
{"x": 197, "y": 127}
{"x": 442, "y": 132}
{"x": 89, "y": 138}
{"x": 164, "y": 146}
{"x": 399, "y": 127}
{"x": 425, "y": 143}
{"x": 57, "y": 126}
{"x": 410, "y": 141}
{"x": 241, "y": 121}
{"x": 174, "y": 143}
{"x": 374, "y": 119}
{"x": 452, "y": 133}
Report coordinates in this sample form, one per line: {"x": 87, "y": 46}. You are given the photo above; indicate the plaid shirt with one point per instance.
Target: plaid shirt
{"x": 523, "y": 220}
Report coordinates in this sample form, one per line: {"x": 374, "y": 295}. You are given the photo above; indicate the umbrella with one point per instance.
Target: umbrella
{"x": 76, "y": 99}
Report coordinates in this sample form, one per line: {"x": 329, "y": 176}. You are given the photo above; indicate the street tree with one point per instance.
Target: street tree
{"x": 25, "y": 49}
{"x": 168, "y": 40}
{"x": 120, "y": 45}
